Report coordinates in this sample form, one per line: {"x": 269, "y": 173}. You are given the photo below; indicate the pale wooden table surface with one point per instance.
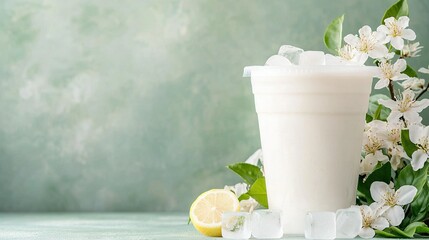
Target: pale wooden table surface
{"x": 76, "y": 226}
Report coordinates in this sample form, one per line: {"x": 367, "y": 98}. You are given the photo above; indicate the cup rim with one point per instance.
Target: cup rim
{"x": 250, "y": 71}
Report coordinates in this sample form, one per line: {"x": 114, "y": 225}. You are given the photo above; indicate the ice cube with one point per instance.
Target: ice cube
{"x": 290, "y": 52}
{"x": 320, "y": 225}
{"x": 349, "y": 222}
{"x": 277, "y": 60}
{"x": 267, "y": 224}
{"x": 236, "y": 225}
{"x": 312, "y": 58}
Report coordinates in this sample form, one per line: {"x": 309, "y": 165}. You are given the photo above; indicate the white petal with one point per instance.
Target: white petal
{"x": 379, "y": 51}
{"x": 394, "y": 116}
{"x": 409, "y": 34}
{"x": 397, "y": 42}
{"x": 390, "y": 20}
{"x": 380, "y": 223}
{"x": 420, "y": 105}
{"x": 412, "y": 116}
{"x": 401, "y": 76}
{"x": 382, "y": 83}
{"x": 383, "y": 29}
{"x": 418, "y": 159}
{"x": 424, "y": 70}
{"x": 367, "y": 233}
{"x": 389, "y": 103}
{"x": 415, "y": 133}
{"x": 403, "y": 21}
{"x": 351, "y": 40}
{"x": 400, "y": 65}
{"x": 395, "y": 215}
{"x": 380, "y": 157}
{"x": 365, "y": 31}
{"x": 405, "y": 194}
{"x": 378, "y": 190}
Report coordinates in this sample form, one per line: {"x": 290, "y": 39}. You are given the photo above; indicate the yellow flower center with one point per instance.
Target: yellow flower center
{"x": 394, "y": 29}
{"x": 390, "y": 198}
{"x": 406, "y": 103}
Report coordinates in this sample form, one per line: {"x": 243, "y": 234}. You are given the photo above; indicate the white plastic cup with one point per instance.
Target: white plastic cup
{"x": 311, "y": 121}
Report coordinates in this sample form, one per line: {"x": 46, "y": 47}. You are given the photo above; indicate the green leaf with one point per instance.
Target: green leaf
{"x": 409, "y": 146}
{"x": 400, "y": 8}
{"x": 258, "y": 191}
{"x": 408, "y": 176}
{"x": 243, "y": 196}
{"x": 334, "y": 35}
{"x": 368, "y": 118}
{"x": 382, "y": 174}
{"x": 411, "y": 229}
{"x": 420, "y": 205}
{"x": 410, "y": 71}
{"x": 247, "y": 171}
{"x": 423, "y": 230}
{"x": 377, "y": 113}
{"x": 382, "y": 233}
{"x": 399, "y": 232}
{"x": 374, "y": 106}
{"x": 189, "y": 220}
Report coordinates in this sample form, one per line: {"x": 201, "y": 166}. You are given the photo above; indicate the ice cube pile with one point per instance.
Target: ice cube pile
{"x": 290, "y": 55}
{"x": 267, "y": 224}
{"x": 293, "y": 56}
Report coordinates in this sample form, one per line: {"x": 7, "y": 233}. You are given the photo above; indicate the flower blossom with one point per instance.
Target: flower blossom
{"x": 372, "y": 219}
{"x": 419, "y": 135}
{"x": 411, "y": 50}
{"x": 247, "y": 205}
{"x": 372, "y": 145}
{"x": 368, "y": 42}
{"x": 352, "y": 55}
{"x": 385, "y": 196}
{"x": 415, "y": 84}
{"x": 388, "y": 72}
{"x": 397, "y": 31}
{"x": 406, "y": 107}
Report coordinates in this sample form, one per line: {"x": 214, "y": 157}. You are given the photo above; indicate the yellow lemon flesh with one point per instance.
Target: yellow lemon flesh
{"x": 206, "y": 211}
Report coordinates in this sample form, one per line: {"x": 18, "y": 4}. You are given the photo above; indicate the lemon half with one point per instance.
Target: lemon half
{"x": 206, "y": 211}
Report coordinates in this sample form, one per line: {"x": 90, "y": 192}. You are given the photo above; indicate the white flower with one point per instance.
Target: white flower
{"x": 239, "y": 189}
{"x": 369, "y": 162}
{"x": 397, "y": 153}
{"x": 396, "y": 31}
{"x": 390, "y": 133}
{"x": 411, "y": 50}
{"x": 350, "y": 54}
{"x": 388, "y": 72}
{"x": 372, "y": 219}
{"x": 384, "y": 195}
{"x": 415, "y": 84}
{"x": 368, "y": 42}
{"x": 406, "y": 107}
{"x": 419, "y": 135}
{"x": 248, "y": 205}
{"x": 372, "y": 144}
{"x": 424, "y": 70}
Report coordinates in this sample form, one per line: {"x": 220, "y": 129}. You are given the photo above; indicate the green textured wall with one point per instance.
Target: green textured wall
{"x": 139, "y": 105}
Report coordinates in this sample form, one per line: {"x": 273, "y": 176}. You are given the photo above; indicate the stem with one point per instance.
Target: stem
{"x": 391, "y": 90}
{"x": 422, "y": 92}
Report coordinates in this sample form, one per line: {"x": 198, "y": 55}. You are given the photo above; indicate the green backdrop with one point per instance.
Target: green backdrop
{"x": 139, "y": 105}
